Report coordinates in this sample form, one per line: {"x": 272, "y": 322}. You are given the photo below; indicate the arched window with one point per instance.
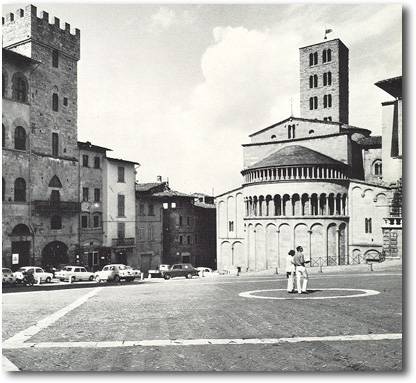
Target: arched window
{"x": 55, "y": 102}
{"x": 20, "y": 87}
{"x": 377, "y": 168}
{"x": 3, "y": 136}
{"x": 310, "y": 59}
{"x": 315, "y": 81}
{"x": 328, "y": 55}
{"x": 315, "y": 58}
{"x": 289, "y": 131}
{"x": 56, "y": 222}
{"x": 311, "y": 103}
{"x": 327, "y": 101}
{"x": 20, "y": 138}
{"x": 293, "y": 131}
{"x": 273, "y": 137}
{"x": 3, "y": 189}
{"x": 324, "y": 56}
{"x": 20, "y": 190}
{"x": 311, "y": 131}
{"x": 329, "y": 78}
{"x": 310, "y": 81}
{"x": 315, "y": 102}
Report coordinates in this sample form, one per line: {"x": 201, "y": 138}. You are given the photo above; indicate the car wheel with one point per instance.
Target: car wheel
{"x": 97, "y": 279}
{"x": 167, "y": 276}
{"x": 48, "y": 280}
{"x": 116, "y": 278}
{"x": 188, "y": 276}
{"x": 73, "y": 279}
{"x": 91, "y": 278}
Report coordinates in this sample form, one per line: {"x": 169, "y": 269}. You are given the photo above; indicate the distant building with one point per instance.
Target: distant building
{"x": 91, "y": 161}
{"x": 149, "y": 225}
{"x": 119, "y": 214}
{"x": 312, "y": 181}
{"x": 174, "y": 227}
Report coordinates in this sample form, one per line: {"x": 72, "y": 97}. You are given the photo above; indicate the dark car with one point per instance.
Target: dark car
{"x": 180, "y": 270}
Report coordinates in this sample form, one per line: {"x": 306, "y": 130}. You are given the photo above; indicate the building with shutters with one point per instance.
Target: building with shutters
{"x": 312, "y": 181}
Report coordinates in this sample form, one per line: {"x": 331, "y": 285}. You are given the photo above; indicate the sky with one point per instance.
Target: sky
{"x": 178, "y": 88}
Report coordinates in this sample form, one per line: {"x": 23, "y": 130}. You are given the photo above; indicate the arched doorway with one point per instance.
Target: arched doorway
{"x": 20, "y": 239}
{"x": 55, "y": 254}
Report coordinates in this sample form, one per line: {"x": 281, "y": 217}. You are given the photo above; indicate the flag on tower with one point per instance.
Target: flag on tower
{"x": 326, "y": 32}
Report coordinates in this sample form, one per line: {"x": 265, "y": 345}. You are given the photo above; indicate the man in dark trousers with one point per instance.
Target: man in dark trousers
{"x": 299, "y": 261}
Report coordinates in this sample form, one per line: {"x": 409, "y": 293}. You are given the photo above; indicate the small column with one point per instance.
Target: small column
{"x": 310, "y": 206}
{"x": 337, "y": 246}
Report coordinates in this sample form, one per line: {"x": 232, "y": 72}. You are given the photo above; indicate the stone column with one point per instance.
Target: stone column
{"x": 310, "y": 245}
{"x": 337, "y": 245}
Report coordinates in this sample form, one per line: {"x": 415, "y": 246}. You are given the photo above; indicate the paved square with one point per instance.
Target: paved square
{"x": 209, "y": 325}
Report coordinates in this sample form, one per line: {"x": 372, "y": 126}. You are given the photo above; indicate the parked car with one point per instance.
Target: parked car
{"x": 114, "y": 273}
{"x": 38, "y": 272}
{"x": 204, "y": 271}
{"x": 7, "y": 276}
{"x": 180, "y": 270}
{"x": 136, "y": 272}
{"x": 164, "y": 267}
{"x": 74, "y": 273}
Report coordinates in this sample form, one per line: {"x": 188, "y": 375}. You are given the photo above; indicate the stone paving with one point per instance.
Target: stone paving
{"x": 204, "y": 308}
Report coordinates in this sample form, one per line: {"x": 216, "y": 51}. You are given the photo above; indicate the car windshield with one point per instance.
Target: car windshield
{"x": 7, "y": 271}
{"x": 67, "y": 268}
{"x": 122, "y": 267}
{"x": 22, "y": 269}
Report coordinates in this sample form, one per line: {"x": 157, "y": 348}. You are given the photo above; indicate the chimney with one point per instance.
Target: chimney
{"x": 159, "y": 179}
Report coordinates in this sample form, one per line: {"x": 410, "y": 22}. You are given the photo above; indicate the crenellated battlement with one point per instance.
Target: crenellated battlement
{"x": 25, "y": 24}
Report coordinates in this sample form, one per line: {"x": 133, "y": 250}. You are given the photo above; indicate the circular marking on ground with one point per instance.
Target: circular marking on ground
{"x": 364, "y": 293}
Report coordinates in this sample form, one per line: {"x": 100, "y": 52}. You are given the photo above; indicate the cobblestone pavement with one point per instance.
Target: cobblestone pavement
{"x": 182, "y": 320}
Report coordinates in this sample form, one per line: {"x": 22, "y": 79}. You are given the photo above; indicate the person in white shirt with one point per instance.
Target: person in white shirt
{"x": 290, "y": 272}
{"x": 299, "y": 261}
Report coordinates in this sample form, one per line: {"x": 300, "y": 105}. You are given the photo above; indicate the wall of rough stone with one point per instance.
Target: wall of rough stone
{"x": 338, "y": 66}
{"x": 303, "y": 129}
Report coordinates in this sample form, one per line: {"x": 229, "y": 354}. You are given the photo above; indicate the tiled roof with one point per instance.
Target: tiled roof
{"x": 171, "y": 193}
{"x": 204, "y": 205}
{"x": 295, "y": 155}
{"x": 374, "y": 141}
{"x": 147, "y": 186}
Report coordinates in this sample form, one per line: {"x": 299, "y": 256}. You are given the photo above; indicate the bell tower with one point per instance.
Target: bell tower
{"x": 324, "y": 81}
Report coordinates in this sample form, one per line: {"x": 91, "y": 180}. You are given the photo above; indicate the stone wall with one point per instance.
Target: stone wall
{"x": 338, "y": 66}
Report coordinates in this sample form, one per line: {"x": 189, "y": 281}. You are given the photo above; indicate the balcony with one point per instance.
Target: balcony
{"x": 123, "y": 242}
{"x": 58, "y": 207}
{"x": 393, "y": 222}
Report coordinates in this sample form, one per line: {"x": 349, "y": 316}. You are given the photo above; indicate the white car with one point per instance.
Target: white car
{"x": 38, "y": 272}
{"x": 204, "y": 271}
{"x": 74, "y": 273}
{"x": 136, "y": 272}
{"x": 114, "y": 273}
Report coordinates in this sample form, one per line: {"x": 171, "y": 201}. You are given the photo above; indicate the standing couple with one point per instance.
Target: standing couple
{"x": 296, "y": 266}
